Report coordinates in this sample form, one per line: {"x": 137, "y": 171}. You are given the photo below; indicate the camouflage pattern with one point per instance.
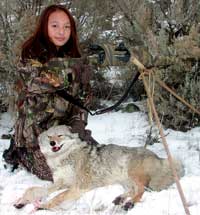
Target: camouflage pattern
{"x": 39, "y": 107}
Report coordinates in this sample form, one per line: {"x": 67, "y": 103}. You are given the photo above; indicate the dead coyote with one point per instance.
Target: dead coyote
{"x": 79, "y": 167}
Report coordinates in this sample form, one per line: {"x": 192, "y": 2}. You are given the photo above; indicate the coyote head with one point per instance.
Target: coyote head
{"x": 56, "y": 140}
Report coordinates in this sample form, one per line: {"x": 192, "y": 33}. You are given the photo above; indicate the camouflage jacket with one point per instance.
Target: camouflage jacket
{"x": 39, "y": 107}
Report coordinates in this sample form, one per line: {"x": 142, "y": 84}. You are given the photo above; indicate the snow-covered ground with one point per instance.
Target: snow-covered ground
{"x": 128, "y": 129}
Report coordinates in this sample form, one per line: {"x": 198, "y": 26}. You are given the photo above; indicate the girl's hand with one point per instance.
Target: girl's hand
{"x": 50, "y": 78}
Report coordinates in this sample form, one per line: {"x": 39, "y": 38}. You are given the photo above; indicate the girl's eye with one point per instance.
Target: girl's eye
{"x": 67, "y": 27}
{"x": 54, "y": 26}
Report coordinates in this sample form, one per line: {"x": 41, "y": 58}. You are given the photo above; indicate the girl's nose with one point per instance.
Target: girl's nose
{"x": 61, "y": 31}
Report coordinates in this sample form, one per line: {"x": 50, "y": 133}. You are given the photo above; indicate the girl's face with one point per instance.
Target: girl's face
{"x": 59, "y": 28}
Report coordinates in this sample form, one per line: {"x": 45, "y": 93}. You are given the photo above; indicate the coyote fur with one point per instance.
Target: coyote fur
{"x": 78, "y": 167}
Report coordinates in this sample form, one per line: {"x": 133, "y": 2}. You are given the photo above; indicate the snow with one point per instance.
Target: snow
{"x": 128, "y": 129}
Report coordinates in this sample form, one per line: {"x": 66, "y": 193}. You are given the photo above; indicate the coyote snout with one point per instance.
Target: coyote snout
{"x": 79, "y": 167}
{"x": 55, "y": 143}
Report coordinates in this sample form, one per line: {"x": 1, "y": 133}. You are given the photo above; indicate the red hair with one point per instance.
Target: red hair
{"x": 39, "y": 46}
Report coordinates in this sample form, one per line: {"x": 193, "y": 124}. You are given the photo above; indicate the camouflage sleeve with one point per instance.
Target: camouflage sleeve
{"x": 35, "y": 80}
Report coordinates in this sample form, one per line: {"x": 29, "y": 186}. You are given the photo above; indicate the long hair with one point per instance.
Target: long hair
{"x": 39, "y": 46}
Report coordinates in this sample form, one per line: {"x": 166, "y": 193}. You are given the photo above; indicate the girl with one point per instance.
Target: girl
{"x": 47, "y": 64}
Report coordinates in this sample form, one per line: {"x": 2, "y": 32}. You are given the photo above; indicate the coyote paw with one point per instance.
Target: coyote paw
{"x": 32, "y": 194}
{"x": 126, "y": 203}
{"x": 18, "y": 204}
{"x": 118, "y": 201}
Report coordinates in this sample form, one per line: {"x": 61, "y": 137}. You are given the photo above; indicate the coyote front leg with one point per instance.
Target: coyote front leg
{"x": 35, "y": 194}
{"x": 70, "y": 194}
{"x": 31, "y": 194}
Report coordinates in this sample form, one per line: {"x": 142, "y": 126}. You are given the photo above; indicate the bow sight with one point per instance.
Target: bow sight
{"x": 108, "y": 55}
